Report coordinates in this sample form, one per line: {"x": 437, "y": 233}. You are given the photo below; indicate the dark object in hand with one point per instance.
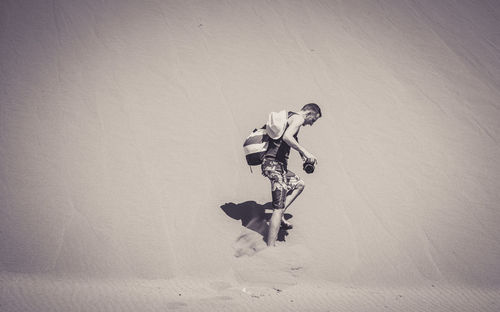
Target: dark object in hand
{"x": 308, "y": 166}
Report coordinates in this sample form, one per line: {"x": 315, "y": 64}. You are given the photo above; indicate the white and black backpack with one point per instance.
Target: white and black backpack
{"x": 257, "y": 142}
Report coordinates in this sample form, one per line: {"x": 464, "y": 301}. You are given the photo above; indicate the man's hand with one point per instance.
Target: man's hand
{"x": 306, "y": 156}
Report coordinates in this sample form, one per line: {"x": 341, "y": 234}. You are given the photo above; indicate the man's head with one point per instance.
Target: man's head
{"x": 312, "y": 112}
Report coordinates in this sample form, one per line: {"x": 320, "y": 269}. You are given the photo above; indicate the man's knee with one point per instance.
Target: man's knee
{"x": 301, "y": 185}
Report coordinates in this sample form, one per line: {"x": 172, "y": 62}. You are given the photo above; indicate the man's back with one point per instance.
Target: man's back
{"x": 279, "y": 149}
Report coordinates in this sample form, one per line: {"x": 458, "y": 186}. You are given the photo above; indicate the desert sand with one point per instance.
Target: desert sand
{"x": 123, "y": 185}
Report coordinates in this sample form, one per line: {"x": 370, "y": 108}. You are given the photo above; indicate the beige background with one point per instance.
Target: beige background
{"x": 122, "y": 123}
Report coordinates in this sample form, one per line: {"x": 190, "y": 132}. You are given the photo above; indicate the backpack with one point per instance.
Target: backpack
{"x": 256, "y": 144}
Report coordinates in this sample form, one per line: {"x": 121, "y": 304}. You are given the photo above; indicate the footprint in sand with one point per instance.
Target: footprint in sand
{"x": 248, "y": 244}
{"x": 176, "y": 305}
{"x": 250, "y": 241}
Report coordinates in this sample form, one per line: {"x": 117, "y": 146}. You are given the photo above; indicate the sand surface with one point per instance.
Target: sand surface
{"x": 41, "y": 293}
{"x": 123, "y": 185}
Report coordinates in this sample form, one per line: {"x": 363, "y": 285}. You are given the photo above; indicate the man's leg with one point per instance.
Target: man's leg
{"x": 294, "y": 194}
{"x": 278, "y": 216}
{"x": 279, "y": 195}
{"x": 296, "y": 186}
{"x": 274, "y": 227}
{"x": 279, "y": 188}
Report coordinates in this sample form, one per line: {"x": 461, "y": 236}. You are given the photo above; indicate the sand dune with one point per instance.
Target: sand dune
{"x": 123, "y": 184}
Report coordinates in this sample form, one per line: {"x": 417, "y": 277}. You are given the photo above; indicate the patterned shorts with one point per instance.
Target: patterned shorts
{"x": 283, "y": 181}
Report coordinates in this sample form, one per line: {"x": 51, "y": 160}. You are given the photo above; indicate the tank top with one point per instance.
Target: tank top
{"x": 278, "y": 149}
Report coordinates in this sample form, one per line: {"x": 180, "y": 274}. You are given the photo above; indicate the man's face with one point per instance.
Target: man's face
{"x": 311, "y": 118}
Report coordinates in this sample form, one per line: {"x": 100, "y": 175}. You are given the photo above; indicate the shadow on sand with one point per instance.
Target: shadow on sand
{"x": 254, "y": 217}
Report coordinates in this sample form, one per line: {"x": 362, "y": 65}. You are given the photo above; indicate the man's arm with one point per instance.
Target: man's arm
{"x": 302, "y": 156}
{"x": 294, "y": 125}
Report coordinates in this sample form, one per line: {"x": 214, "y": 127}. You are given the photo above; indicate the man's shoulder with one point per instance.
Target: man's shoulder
{"x": 294, "y": 123}
{"x": 295, "y": 118}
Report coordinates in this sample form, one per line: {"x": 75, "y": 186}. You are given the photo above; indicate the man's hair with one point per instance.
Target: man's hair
{"x": 312, "y": 107}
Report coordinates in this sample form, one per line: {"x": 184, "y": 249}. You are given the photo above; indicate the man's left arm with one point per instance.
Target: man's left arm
{"x": 288, "y": 137}
{"x": 301, "y": 154}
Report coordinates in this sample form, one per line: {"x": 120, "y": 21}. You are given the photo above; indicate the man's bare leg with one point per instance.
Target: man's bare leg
{"x": 278, "y": 216}
{"x": 290, "y": 198}
{"x": 293, "y": 195}
{"x": 274, "y": 227}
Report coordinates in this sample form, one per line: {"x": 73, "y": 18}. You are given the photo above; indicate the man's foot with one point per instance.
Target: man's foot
{"x": 286, "y": 225}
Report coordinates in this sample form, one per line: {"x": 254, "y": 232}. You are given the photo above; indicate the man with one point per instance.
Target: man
{"x": 286, "y": 185}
